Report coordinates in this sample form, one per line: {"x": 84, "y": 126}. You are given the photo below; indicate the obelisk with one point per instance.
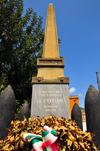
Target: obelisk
{"x": 50, "y": 89}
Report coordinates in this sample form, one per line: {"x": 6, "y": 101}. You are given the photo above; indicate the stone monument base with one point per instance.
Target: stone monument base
{"x": 50, "y": 99}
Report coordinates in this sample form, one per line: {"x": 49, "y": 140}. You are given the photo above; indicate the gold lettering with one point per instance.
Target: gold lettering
{"x": 53, "y": 94}
{"x": 48, "y": 106}
{"x": 44, "y": 91}
{"x": 59, "y": 101}
{"x": 50, "y": 109}
{"x": 59, "y": 95}
{"x": 41, "y": 94}
{"x": 54, "y": 101}
{"x": 39, "y": 101}
{"x": 57, "y": 91}
{"x": 50, "y": 91}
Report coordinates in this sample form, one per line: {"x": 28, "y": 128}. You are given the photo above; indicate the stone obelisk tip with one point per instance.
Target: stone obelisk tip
{"x": 50, "y": 4}
{"x": 50, "y": 48}
{"x": 50, "y": 66}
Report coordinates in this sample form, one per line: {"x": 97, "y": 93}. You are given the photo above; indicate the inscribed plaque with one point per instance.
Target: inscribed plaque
{"x": 50, "y": 99}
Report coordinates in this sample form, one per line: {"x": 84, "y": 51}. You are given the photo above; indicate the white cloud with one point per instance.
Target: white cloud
{"x": 72, "y": 90}
{"x": 80, "y": 94}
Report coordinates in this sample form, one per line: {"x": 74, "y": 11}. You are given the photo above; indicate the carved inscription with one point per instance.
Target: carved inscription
{"x": 50, "y": 99}
{"x": 57, "y": 101}
{"x": 50, "y": 62}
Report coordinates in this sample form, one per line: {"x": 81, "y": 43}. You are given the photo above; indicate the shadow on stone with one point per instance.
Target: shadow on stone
{"x": 77, "y": 115}
{"x": 25, "y": 111}
{"x": 92, "y": 109}
{"x": 7, "y": 110}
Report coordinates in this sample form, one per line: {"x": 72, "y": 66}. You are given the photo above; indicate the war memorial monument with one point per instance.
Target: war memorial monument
{"x": 50, "y": 89}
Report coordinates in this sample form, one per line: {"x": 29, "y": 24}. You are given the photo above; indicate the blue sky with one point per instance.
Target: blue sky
{"x": 78, "y": 27}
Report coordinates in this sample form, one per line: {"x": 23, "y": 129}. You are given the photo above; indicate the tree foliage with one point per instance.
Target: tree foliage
{"x": 21, "y": 41}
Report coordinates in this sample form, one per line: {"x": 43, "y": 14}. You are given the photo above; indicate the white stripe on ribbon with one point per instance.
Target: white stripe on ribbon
{"x": 48, "y": 148}
{"x": 49, "y": 137}
{"x": 48, "y": 128}
{"x": 37, "y": 144}
{"x": 31, "y": 135}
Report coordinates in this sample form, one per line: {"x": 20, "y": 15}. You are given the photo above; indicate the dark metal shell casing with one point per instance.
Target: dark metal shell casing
{"x": 77, "y": 115}
{"x": 92, "y": 109}
{"x": 25, "y": 111}
{"x": 7, "y": 110}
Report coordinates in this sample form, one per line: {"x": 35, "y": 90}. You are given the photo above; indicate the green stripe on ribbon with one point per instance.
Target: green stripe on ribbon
{"x": 53, "y": 132}
{"x": 44, "y": 133}
{"x": 44, "y": 142}
{"x": 35, "y": 136}
{"x": 45, "y": 149}
{"x": 35, "y": 140}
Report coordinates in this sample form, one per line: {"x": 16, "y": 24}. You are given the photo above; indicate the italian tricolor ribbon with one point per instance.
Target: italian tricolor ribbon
{"x": 47, "y": 142}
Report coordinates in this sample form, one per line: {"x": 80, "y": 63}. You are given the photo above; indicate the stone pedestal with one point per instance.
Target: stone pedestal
{"x": 50, "y": 99}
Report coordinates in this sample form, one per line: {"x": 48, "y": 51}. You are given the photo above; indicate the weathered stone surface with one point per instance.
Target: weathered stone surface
{"x": 92, "y": 109}
{"x": 7, "y": 110}
{"x": 25, "y": 111}
{"x": 50, "y": 99}
{"x": 50, "y": 92}
{"x": 77, "y": 115}
{"x": 50, "y": 66}
{"x": 50, "y": 47}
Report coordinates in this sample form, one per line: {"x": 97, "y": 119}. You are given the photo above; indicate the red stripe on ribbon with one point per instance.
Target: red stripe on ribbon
{"x": 53, "y": 147}
{"x": 44, "y": 129}
{"x": 57, "y": 144}
{"x": 23, "y": 139}
{"x": 41, "y": 148}
{"x": 47, "y": 143}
